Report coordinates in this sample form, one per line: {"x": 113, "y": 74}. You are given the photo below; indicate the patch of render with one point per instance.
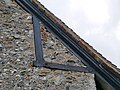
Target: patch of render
{"x": 17, "y": 54}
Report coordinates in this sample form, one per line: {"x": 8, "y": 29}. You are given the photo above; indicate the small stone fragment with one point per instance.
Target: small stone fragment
{"x": 1, "y": 47}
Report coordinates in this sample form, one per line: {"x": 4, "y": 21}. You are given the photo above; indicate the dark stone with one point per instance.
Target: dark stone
{"x": 1, "y": 47}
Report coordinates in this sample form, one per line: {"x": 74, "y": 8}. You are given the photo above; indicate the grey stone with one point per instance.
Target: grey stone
{"x": 29, "y": 18}
{"x": 1, "y": 47}
{"x": 8, "y": 2}
{"x": 16, "y": 36}
{"x": 59, "y": 79}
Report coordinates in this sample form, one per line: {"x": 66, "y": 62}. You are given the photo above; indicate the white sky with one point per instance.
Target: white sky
{"x": 96, "y": 21}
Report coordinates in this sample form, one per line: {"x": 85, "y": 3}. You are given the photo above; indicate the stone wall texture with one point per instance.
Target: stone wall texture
{"x": 17, "y": 55}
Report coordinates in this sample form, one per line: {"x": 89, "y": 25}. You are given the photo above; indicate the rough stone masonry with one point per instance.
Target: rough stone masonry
{"x": 17, "y": 54}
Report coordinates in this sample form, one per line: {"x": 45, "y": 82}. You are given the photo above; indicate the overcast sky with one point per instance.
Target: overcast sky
{"x": 96, "y": 21}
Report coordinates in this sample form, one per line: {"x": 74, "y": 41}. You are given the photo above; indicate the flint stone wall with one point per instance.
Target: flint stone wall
{"x": 17, "y": 54}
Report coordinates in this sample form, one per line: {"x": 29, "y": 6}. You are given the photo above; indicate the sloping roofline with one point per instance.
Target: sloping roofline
{"x": 96, "y": 55}
{"x": 103, "y": 68}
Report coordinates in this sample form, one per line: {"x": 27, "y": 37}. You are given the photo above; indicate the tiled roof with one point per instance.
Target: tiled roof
{"x": 89, "y": 49}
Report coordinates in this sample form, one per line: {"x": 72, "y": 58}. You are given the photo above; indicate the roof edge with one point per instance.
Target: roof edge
{"x": 96, "y": 55}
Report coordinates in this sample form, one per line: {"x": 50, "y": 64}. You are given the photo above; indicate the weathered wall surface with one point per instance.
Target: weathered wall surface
{"x": 17, "y": 54}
